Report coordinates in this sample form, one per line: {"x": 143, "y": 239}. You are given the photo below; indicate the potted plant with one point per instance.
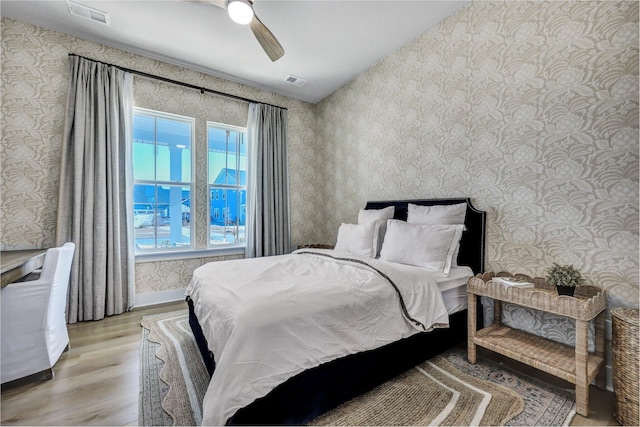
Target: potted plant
{"x": 565, "y": 278}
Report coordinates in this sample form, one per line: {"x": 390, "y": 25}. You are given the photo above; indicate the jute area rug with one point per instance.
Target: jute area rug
{"x": 446, "y": 390}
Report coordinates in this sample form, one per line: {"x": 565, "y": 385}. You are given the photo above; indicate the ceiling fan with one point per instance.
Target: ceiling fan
{"x": 241, "y": 11}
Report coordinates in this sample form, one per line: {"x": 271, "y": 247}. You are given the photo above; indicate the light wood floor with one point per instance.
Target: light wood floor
{"x": 96, "y": 382}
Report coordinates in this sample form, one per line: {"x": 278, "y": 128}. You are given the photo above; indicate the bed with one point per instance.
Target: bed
{"x": 306, "y": 392}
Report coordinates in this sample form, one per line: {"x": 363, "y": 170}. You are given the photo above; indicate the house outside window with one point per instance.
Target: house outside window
{"x": 227, "y": 179}
{"x": 163, "y": 180}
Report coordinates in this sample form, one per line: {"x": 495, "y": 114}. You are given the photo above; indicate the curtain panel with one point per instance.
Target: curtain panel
{"x": 94, "y": 192}
{"x": 268, "y": 223}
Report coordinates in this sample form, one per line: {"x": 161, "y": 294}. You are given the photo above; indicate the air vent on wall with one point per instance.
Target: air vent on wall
{"x": 295, "y": 80}
{"x": 88, "y": 12}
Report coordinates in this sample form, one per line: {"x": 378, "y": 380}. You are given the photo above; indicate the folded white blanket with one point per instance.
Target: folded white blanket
{"x": 268, "y": 319}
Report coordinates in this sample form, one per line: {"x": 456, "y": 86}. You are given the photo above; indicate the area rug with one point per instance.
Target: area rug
{"x": 446, "y": 390}
{"x": 173, "y": 378}
{"x": 434, "y": 393}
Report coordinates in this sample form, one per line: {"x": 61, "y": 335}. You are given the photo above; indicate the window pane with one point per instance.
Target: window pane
{"x": 143, "y": 147}
{"x": 227, "y": 184}
{"x": 161, "y": 148}
{"x": 228, "y": 215}
{"x": 243, "y": 159}
{"x": 145, "y": 213}
{"x": 162, "y": 153}
{"x": 162, "y": 216}
{"x": 227, "y": 155}
{"x": 173, "y": 153}
{"x": 217, "y": 153}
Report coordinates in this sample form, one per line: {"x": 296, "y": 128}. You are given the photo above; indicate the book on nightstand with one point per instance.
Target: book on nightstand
{"x": 512, "y": 281}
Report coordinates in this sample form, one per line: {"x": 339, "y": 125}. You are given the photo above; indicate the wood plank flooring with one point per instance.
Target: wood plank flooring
{"x": 96, "y": 382}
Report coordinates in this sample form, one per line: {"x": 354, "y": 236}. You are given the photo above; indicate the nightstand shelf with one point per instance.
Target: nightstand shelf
{"x": 574, "y": 364}
{"x": 556, "y": 359}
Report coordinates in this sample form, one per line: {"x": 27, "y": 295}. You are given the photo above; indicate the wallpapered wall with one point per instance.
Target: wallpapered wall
{"x": 530, "y": 109}
{"x": 34, "y": 89}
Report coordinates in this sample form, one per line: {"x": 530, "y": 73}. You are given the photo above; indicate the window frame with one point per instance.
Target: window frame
{"x": 223, "y": 187}
{"x": 172, "y": 252}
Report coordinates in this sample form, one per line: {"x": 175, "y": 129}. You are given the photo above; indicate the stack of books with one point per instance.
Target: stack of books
{"x": 512, "y": 281}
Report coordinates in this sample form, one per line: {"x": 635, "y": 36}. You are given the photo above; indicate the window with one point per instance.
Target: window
{"x": 162, "y": 172}
{"x": 227, "y": 184}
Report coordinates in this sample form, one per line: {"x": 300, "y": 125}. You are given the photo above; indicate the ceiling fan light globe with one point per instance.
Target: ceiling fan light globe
{"x": 240, "y": 11}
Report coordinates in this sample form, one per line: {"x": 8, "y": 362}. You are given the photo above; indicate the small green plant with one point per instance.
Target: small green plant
{"x": 564, "y": 275}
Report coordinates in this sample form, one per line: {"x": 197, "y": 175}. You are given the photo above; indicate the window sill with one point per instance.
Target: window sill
{"x": 195, "y": 253}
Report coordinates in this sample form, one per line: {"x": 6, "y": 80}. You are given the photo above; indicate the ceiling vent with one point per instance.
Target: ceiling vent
{"x": 88, "y": 12}
{"x": 295, "y": 80}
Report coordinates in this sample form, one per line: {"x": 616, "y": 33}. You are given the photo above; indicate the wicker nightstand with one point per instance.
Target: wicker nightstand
{"x": 625, "y": 327}
{"x": 315, "y": 246}
{"x": 575, "y": 365}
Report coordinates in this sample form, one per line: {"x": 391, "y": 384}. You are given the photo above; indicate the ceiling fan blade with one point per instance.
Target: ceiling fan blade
{"x": 266, "y": 39}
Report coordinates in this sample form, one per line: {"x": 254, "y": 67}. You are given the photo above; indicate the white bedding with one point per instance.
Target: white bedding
{"x": 268, "y": 319}
{"x": 454, "y": 288}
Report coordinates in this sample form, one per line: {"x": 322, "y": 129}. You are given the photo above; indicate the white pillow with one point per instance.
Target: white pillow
{"x": 436, "y": 214}
{"x": 380, "y": 217}
{"x": 424, "y": 245}
{"x": 356, "y": 239}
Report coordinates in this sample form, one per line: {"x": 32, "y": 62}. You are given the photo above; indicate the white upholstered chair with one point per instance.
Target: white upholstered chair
{"x": 33, "y": 320}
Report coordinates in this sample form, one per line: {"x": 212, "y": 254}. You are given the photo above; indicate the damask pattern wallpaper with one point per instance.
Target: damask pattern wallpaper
{"x": 34, "y": 89}
{"x": 528, "y": 108}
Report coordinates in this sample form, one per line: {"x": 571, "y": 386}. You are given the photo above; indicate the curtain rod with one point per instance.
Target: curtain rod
{"x": 176, "y": 82}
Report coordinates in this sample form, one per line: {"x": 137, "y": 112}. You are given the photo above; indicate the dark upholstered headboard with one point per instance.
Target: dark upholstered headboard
{"x": 472, "y": 242}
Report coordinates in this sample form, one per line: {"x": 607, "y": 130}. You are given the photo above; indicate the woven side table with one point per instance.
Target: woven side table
{"x": 625, "y": 365}
{"x": 315, "y": 246}
{"x": 574, "y": 364}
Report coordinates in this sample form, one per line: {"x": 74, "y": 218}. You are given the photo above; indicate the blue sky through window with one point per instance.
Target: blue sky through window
{"x": 168, "y": 134}
{"x": 222, "y": 153}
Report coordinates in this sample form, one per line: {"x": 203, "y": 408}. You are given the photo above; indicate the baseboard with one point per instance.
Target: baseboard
{"x": 153, "y": 298}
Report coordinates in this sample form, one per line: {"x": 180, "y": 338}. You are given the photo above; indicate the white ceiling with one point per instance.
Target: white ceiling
{"x": 326, "y": 42}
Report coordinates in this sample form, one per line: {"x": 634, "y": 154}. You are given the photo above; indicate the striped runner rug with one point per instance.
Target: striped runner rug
{"x": 445, "y": 390}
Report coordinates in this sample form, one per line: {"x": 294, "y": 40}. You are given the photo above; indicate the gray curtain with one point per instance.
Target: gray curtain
{"x": 268, "y": 229}
{"x": 95, "y": 191}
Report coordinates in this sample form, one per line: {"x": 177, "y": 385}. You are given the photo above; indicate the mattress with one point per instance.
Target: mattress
{"x": 454, "y": 289}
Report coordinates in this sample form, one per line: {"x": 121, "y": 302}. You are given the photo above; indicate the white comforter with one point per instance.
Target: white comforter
{"x": 268, "y": 319}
